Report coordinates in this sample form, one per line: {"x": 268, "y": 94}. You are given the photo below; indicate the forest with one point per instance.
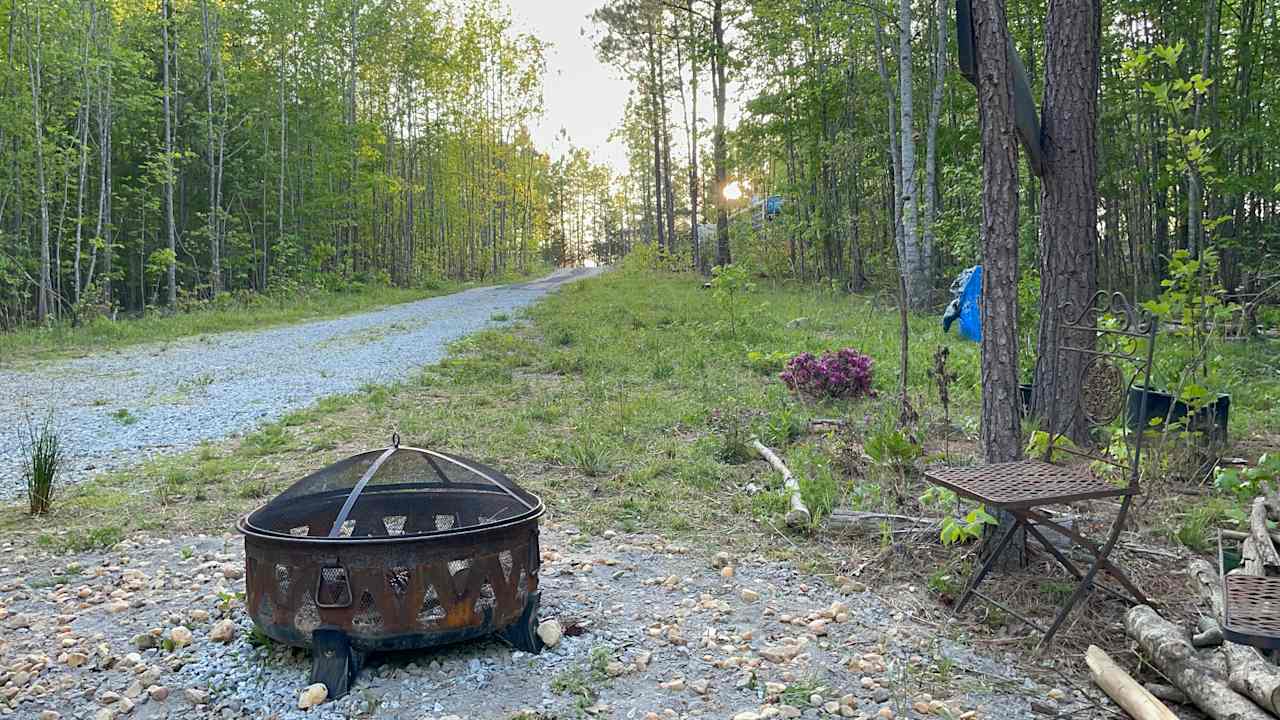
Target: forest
{"x": 162, "y": 154}
{"x": 857, "y": 116}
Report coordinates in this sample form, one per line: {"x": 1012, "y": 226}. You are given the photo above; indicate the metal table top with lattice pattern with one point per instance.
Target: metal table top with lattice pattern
{"x": 1024, "y": 483}
{"x": 1252, "y": 610}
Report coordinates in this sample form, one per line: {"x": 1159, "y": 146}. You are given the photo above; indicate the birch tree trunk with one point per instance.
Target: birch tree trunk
{"x": 909, "y": 262}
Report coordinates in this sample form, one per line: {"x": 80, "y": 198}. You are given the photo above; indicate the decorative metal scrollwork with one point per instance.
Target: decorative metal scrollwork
{"x": 1102, "y": 391}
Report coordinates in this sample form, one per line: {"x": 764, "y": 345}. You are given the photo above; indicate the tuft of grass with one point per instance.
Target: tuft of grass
{"x": 124, "y": 416}
{"x": 41, "y": 460}
{"x": 587, "y": 452}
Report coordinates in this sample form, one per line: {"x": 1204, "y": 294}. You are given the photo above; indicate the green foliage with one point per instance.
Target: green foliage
{"x": 124, "y": 416}
{"x": 893, "y": 448}
{"x": 1246, "y": 484}
{"x": 970, "y": 527}
{"x": 42, "y": 457}
{"x": 768, "y": 363}
{"x": 729, "y": 284}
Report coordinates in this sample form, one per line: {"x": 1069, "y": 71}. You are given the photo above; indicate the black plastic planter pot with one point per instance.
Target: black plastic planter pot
{"x": 1210, "y": 419}
{"x": 1025, "y": 391}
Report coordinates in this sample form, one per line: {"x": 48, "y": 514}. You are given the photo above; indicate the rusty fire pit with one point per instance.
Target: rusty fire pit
{"x": 393, "y": 549}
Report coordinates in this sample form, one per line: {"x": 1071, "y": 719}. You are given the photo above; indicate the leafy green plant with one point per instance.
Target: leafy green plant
{"x": 1245, "y": 484}
{"x": 728, "y": 284}
{"x": 41, "y": 460}
{"x": 970, "y": 527}
{"x": 768, "y": 363}
{"x": 892, "y": 448}
{"x": 124, "y": 417}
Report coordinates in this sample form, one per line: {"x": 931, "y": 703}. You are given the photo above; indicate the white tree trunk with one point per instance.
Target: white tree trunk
{"x": 910, "y": 262}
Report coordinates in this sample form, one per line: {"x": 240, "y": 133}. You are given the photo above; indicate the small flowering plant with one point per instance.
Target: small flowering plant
{"x": 845, "y": 373}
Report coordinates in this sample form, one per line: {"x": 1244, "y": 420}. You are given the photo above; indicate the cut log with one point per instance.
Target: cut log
{"x": 798, "y": 515}
{"x": 1250, "y": 563}
{"x": 1167, "y": 693}
{"x": 1261, "y": 537}
{"x": 1127, "y": 693}
{"x": 1247, "y": 672}
{"x": 1164, "y": 645}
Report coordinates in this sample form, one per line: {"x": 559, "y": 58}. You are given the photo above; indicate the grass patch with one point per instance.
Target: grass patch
{"x": 624, "y": 400}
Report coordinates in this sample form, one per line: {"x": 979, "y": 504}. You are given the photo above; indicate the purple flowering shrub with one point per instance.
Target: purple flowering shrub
{"x": 845, "y": 373}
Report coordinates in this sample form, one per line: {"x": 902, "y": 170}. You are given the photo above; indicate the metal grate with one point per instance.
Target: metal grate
{"x": 1026, "y": 483}
{"x": 1252, "y": 610}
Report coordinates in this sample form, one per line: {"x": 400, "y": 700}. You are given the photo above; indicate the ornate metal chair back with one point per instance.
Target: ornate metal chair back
{"x": 1102, "y": 368}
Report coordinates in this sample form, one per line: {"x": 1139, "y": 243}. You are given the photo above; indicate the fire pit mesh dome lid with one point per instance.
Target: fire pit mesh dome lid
{"x": 394, "y": 492}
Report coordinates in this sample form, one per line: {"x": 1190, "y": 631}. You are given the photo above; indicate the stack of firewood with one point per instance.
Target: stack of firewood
{"x": 1225, "y": 680}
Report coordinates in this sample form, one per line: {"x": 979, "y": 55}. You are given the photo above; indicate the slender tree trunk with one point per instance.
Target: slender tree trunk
{"x": 209, "y": 54}
{"x": 168, "y": 162}
{"x": 1068, "y": 198}
{"x": 895, "y": 156}
{"x": 659, "y": 218}
{"x": 694, "y": 190}
{"x": 721, "y": 58}
{"x": 909, "y": 263}
{"x": 34, "y": 65}
{"x": 931, "y": 140}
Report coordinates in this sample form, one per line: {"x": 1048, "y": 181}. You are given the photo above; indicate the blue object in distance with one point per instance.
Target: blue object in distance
{"x": 971, "y": 304}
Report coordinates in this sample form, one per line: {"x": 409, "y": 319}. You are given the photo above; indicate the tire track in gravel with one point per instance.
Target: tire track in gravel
{"x": 179, "y": 394}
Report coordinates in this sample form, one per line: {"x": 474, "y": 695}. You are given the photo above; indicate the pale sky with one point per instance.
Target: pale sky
{"x": 581, "y": 94}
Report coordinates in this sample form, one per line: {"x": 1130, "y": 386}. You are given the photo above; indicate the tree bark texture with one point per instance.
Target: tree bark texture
{"x": 1068, "y": 201}
{"x": 1001, "y": 433}
{"x": 910, "y": 263}
{"x": 1164, "y": 645}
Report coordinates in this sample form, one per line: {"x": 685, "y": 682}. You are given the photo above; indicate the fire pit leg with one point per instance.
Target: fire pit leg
{"x": 523, "y": 633}
{"x": 333, "y": 661}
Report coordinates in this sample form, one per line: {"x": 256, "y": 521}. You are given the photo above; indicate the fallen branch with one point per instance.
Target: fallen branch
{"x": 1127, "y": 693}
{"x": 1163, "y": 644}
{"x": 869, "y": 522}
{"x": 1238, "y": 535}
{"x": 1247, "y": 672}
{"x": 799, "y": 514}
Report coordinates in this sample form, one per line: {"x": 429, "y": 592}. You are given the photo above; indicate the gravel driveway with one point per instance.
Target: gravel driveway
{"x": 115, "y": 408}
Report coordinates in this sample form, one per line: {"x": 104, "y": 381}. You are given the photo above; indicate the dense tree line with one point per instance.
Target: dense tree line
{"x": 855, "y": 114}
{"x": 158, "y": 152}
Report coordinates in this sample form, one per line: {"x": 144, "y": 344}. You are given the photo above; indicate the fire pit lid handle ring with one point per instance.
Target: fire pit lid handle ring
{"x": 395, "y": 439}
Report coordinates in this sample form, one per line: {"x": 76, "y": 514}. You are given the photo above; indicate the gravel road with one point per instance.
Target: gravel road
{"x": 116, "y": 408}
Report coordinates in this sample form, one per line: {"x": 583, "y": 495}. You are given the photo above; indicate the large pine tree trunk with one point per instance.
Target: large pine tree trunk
{"x": 1068, "y": 198}
{"x": 1001, "y": 439}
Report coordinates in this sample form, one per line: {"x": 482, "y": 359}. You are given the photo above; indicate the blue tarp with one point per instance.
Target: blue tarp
{"x": 966, "y": 290}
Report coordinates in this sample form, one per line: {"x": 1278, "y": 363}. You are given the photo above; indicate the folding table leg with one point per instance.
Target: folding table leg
{"x": 988, "y": 564}
{"x": 1099, "y": 559}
